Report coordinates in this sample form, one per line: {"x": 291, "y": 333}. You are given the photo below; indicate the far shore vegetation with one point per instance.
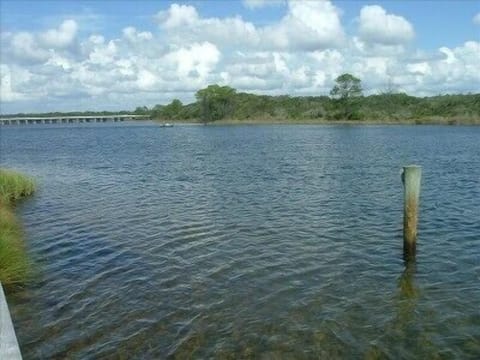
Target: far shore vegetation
{"x": 346, "y": 103}
{"x": 14, "y": 263}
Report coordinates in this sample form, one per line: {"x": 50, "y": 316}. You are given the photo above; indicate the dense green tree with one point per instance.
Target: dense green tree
{"x": 216, "y": 102}
{"x": 172, "y": 110}
{"x": 157, "y": 111}
{"x": 347, "y": 86}
{"x": 141, "y": 110}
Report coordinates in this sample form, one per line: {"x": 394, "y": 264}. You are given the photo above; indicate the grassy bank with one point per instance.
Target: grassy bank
{"x": 14, "y": 264}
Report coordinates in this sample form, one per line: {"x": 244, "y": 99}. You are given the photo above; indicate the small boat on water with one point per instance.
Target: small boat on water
{"x": 166, "y": 125}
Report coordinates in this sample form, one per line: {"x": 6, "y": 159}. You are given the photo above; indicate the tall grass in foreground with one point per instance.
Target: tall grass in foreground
{"x": 14, "y": 263}
{"x": 14, "y": 186}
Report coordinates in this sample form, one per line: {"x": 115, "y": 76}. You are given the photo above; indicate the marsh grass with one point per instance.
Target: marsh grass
{"x": 14, "y": 186}
{"x": 14, "y": 263}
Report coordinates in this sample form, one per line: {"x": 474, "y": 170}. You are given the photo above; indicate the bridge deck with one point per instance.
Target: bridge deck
{"x": 68, "y": 119}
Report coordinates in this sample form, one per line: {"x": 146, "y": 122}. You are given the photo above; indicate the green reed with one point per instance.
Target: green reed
{"x": 14, "y": 262}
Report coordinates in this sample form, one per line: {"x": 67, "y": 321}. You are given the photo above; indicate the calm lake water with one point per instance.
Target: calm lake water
{"x": 262, "y": 242}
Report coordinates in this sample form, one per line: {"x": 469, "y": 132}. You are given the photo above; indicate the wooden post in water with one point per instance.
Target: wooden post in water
{"x": 411, "y": 177}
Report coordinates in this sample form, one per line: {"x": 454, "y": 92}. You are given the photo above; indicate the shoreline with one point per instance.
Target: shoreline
{"x": 437, "y": 122}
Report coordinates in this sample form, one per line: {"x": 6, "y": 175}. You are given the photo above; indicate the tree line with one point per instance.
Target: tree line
{"x": 346, "y": 102}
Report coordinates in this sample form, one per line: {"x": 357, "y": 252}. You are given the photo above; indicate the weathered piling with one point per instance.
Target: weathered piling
{"x": 411, "y": 178}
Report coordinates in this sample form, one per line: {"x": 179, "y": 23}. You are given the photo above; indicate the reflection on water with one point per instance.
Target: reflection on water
{"x": 247, "y": 242}
{"x": 406, "y": 283}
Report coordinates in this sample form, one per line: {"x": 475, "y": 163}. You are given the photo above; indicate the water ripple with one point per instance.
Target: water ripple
{"x": 247, "y": 242}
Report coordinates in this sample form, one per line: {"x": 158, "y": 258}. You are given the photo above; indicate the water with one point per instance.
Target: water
{"x": 246, "y": 242}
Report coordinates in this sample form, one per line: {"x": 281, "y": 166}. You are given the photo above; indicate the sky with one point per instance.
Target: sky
{"x": 117, "y": 55}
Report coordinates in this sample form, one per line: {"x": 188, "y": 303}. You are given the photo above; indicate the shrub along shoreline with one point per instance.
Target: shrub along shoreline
{"x": 14, "y": 263}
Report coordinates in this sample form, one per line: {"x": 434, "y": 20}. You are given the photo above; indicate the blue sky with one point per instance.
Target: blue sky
{"x": 438, "y": 23}
{"x": 94, "y": 54}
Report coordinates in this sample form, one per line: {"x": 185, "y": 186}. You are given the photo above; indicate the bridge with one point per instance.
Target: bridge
{"x": 69, "y": 119}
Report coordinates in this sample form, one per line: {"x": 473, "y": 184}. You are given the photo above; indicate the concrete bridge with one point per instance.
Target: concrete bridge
{"x": 68, "y": 119}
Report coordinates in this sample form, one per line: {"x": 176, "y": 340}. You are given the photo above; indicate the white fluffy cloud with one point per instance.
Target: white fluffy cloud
{"x": 61, "y": 37}
{"x": 67, "y": 67}
{"x": 377, "y": 26}
{"x": 183, "y": 24}
{"x": 307, "y": 25}
{"x": 132, "y": 35}
{"x": 25, "y": 47}
{"x": 6, "y": 89}
{"x": 192, "y": 65}
{"x": 177, "y": 16}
